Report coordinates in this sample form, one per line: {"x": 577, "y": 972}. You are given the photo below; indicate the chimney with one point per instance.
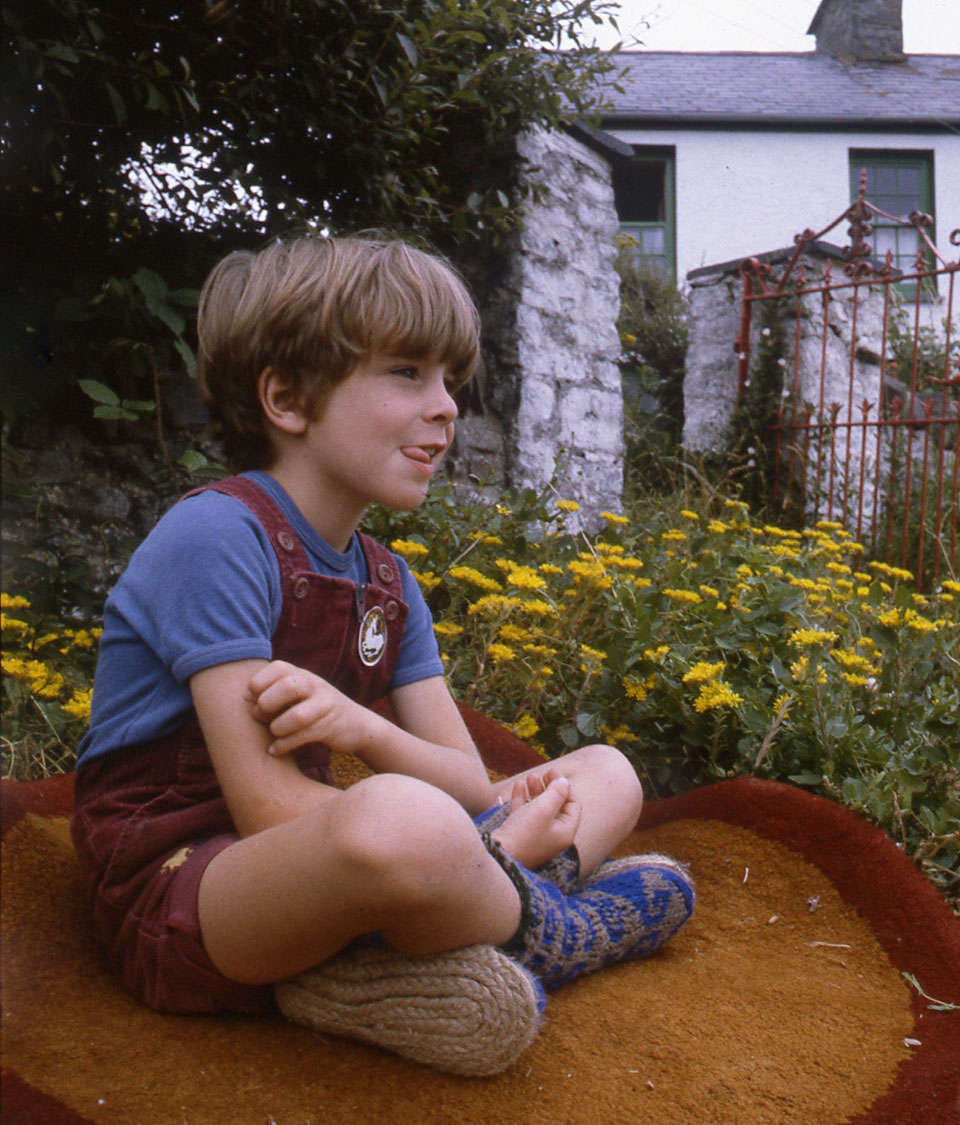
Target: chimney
{"x": 859, "y": 30}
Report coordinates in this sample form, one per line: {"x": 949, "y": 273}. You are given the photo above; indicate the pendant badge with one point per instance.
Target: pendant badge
{"x": 373, "y": 636}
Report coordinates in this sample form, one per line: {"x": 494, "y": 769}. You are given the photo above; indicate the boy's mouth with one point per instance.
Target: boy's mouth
{"x": 424, "y": 454}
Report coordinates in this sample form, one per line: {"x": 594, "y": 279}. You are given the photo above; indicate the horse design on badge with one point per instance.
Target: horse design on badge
{"x": 373, "y": 636}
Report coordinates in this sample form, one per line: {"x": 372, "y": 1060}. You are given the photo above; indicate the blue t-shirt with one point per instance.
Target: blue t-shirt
{"x": 204, "y": 589}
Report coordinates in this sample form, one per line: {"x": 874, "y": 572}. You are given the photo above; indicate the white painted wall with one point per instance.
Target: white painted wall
{"x": 740, "y": 193}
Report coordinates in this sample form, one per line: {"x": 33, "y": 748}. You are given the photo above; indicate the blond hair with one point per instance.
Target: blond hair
{"x": 312, "y": 308}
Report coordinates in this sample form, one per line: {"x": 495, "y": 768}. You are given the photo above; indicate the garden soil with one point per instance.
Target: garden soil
{"x": 777, "y": 1003}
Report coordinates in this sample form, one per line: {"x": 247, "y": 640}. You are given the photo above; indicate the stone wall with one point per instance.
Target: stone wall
{"x": 550, "y": 388}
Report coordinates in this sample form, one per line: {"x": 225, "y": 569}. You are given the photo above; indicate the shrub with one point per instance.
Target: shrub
{"x": 706, "y": 646}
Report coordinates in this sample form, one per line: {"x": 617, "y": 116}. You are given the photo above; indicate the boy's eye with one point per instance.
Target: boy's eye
{"x": 406, "y": 372}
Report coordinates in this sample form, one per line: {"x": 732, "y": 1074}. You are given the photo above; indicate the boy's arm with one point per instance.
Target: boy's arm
{"x": 429, "y": 740}
{"x": 426, "y": 711}
{"x": 261, "y": 790}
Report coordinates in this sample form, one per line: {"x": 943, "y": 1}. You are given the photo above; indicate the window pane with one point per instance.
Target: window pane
{"x": 907, "y": 244}
{"x": 653, "y": 242}
{"x": 639, "y": 190}
{"x": 886, "y": 181}
{"x": 884, "y": 239}
{"x": 908, "y": 182}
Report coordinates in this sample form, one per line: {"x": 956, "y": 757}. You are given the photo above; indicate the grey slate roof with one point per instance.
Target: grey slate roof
{"x": 809, "y": 89}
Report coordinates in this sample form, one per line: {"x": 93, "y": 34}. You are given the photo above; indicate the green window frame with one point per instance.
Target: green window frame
{"x": 644, "y": 190}
{"x": 898, "y": 181}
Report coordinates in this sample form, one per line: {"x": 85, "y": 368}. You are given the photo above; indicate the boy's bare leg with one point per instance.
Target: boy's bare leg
{"x": 607, "y": 789}
{"x": 391, "y": 854}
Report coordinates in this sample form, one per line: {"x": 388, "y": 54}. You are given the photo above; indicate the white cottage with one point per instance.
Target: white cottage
{"x": 733, "y": 153}
{"x": 704, "y": 159}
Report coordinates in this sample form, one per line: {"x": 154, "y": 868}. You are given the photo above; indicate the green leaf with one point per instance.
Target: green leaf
{"x": 192, "y": 460}
{"x": 119, "y": 108}
{"x": 156, "y": 292}
{"x": 99, "y": 392}
{"x": 409, "y": 48}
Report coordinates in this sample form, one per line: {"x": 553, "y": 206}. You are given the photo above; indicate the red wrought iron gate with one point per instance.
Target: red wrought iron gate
{"x": 866, "y": 428}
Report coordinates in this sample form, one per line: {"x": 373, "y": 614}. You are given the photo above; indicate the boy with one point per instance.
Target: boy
{"x": 243, "y": 643}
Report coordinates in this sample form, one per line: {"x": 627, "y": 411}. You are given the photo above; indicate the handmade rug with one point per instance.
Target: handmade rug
{"x": 783, "y": 1001}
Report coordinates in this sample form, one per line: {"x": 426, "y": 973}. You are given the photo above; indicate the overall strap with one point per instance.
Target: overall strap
{"x": 286, "y": 543}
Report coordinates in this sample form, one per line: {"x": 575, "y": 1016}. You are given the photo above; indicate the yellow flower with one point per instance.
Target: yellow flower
{"x": 537, "y": 607}
{"x": 513, "y": 633}
{"x": 525, "y": 577}
{"x": 891, "y": 571}
{"x": 657, "y": 653}
{"x": 613, "y": 518}
{"x": 568, "y": 506}
{"x": 540, "y": 650}
{"x": 715, "y": 694}
{"x": 852, "y": 661}
{"x": 709, "y": 592}
{"x": 688, "y": 515}
{"x": 673, "y": 536}
{"x": 408, "y": 548}
{"x": 683, "y": 596}
{"x": 717, "y": 526}
{"x": 584, "y": 569}
{"x": 702, "y": 671}
{"x": 635, "y": 690}
{"x": 854, "y": 679}
{"x": 549, "y": 568}
{"x": 493, "y": 602}
{"x": 803, "y": 638}
{"x": 78, "y": 705}
{"x": 949, "y": 584}
{"x": 642, "y": 583}
{"x": 14, "y": 624}
{"x": 447, "y": 629}
{"x": 498, "y": 652}
{"x": 427, "y": 581}
{"x": 474, "y": 577}
{"x": 628, "y": 563}
{"x": 783, "y": 703}
{"x": 525, "y": 727}
{"x": 800, "y": 668}
{"x": 613, "y": 735}
{"x": 593, "y": 653}
{"x": 14, "y": 601}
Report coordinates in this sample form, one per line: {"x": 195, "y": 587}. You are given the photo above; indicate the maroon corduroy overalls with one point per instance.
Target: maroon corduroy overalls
{"x": 149, "y": 818}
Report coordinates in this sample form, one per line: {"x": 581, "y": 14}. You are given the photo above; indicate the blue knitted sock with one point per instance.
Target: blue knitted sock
{"x": 624, "y": 913}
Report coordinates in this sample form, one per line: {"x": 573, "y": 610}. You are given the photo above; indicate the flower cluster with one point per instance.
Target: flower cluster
{"x": 47, "y": 671}
{"x": 705, "y": 643}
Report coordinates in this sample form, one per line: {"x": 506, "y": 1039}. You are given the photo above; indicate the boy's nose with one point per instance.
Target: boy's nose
{"x": 443, "y": 407}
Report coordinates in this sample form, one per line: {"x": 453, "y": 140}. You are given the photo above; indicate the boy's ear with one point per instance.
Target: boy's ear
{"x": 280, "y": 402}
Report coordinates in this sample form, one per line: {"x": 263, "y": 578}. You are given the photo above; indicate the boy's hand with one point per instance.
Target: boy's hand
{"x": 300, "y": 707}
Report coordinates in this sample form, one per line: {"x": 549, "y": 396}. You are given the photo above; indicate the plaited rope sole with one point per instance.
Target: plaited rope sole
{"x": 470, "y": 1011}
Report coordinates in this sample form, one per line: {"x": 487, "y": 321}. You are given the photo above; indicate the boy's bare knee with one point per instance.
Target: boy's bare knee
{"x": 395, "y": 832}
{"x": 619, "y": 774}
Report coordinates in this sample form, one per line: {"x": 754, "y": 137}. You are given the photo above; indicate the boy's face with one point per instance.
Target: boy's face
{"x": 381, "y": 434}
